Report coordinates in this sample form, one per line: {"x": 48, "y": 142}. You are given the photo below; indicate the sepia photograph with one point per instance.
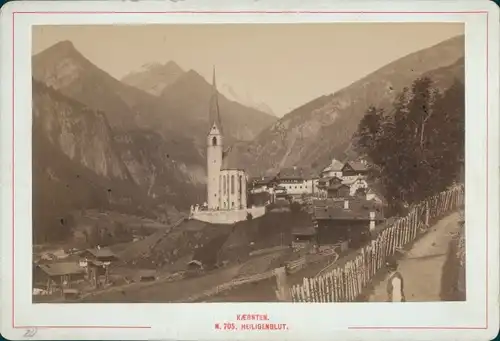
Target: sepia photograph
{"x": 248, "y": 163}
{"x": 250, "y": 170}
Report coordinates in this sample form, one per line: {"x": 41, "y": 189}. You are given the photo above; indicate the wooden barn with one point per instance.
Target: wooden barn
{"x": 57, "y": 276}
{"x": 345, "y": 220}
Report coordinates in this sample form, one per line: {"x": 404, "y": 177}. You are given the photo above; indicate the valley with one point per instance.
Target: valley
{"x": 120, "y": 176}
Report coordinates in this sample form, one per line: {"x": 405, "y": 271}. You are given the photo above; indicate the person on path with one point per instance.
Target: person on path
{"x": 395, "y": 283}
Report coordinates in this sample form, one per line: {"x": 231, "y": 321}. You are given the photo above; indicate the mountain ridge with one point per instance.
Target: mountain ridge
{"x": 314, "y": 133}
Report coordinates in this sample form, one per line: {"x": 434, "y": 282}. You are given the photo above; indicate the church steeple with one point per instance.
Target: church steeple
{"x": 214, "y": 114}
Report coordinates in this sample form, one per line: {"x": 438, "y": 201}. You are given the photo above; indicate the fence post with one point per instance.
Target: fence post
{"x": 427, "y": 213}
{"x": 283, "y": 290}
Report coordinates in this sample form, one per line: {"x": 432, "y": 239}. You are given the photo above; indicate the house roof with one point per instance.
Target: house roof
{"x": 336, "y": 186}
{"x": 329, "y": 178}
{"x": 63, "y": 268}
{"x": 301, "y": 173}
{"x": 102, "y": 252}
{"x": 291, "y": 173}
{"x": 356, "y": 166}
{"x": 334, "y": 166}
{"x": 304, "y": 231}
{"x": 359, "y": 209}
{"x": 196, "y": 262}
{"x": 264, "y": 180}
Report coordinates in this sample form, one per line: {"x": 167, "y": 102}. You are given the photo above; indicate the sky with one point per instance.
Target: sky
{"x": 281, "y": 65}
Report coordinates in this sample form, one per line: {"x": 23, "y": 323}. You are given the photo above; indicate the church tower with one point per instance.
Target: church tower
{"x": 214, "y": 151}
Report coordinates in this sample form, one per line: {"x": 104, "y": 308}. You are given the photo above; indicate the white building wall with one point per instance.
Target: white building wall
{"x": 244, "y": 181}
{"x": 228, "y": 216}
{"x": 233, "y": 193}
{"x": 332, "y": 174}
{"x": 297, "y": 188}
{"x": 214, "y": 163}
{"x": 356, "y": 185}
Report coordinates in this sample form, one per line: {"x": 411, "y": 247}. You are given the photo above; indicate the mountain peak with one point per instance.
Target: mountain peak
{"x": 60, "y": 65}
{"x": 154, "y": 77}
{"x": 61, "y": 49}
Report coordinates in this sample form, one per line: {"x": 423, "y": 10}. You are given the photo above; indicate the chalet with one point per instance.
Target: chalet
{"x": 354, "y": 169}
{"x": 96, "y": 262}
{"x": 338, "y": 191}
{"x": 345, "y": 220}
{"x": 334, "y": 169}
{"x": 327, "y": 182}
{"x": 57, "y": 276}
{"x": 99, "y": 254}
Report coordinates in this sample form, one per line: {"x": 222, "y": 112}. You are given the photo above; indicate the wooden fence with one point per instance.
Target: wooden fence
{"x": 346, "y": 282}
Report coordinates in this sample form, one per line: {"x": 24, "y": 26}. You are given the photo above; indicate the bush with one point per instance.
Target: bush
{"x": 295, "y": 207}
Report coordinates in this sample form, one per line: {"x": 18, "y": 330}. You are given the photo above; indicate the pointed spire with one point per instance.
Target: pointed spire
{"x": 214, "y": 84}
{"x": 214, "y": 114}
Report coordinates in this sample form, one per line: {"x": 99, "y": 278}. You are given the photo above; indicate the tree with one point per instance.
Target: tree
{"x": 369, "y": 130}
{"x": 417, "y": 150}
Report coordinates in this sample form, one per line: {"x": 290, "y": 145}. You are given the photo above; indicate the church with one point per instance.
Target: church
{"x": 226, "y": 184}
{"x": 227, "y": 195}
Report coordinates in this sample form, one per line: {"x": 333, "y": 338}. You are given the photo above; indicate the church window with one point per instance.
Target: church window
{"x": 232, "y": 203}
{"x": 225, "y": 189}
{"x": 214, "y": 141}
{"x": 241, "y": 185}
{"x": 232, "y": 184}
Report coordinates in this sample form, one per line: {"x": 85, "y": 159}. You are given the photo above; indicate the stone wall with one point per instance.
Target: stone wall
{"x": 228, "y": 217}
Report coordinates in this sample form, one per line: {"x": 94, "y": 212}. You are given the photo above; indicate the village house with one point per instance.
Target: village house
{"x": 96, "y": 262}
{"x": 354, "y": 169}
{"x": 338, "y": 191}
{"x": 335, "y": 187}
{"x": 345, "y": 220}
{"x": 303, "y": 237}
{"x": 98, "y": 254}
{"x": 297, "y": 181}
{"x": 358, "y": 186}
{"x": 57, "y": 276}
{"x": 262, "y": 191}
{"x": 334, "y": 169}
{"x": 375, "y": 195}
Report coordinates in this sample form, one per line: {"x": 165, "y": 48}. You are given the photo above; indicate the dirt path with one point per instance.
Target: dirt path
{"x": 422, "y": 266}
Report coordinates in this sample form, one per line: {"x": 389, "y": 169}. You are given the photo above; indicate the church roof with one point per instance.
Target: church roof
{"x": 229, "y": 161}
{"x": 214, "y": 113}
